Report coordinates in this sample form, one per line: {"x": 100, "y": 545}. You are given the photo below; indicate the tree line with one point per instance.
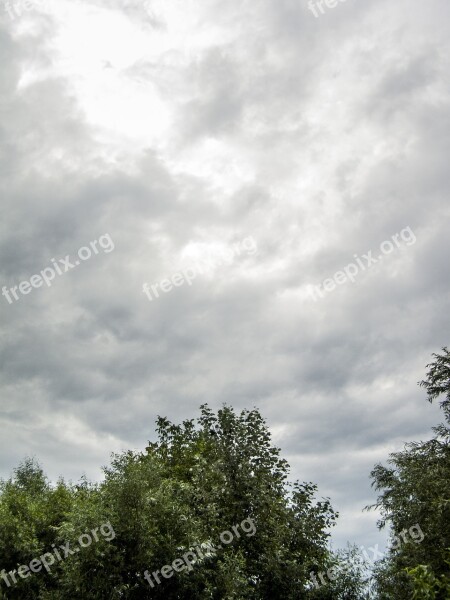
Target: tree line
{"x": 210, "y": 509}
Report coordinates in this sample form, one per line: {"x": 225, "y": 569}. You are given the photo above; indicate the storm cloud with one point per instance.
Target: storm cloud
{"x": 180, "y": 129}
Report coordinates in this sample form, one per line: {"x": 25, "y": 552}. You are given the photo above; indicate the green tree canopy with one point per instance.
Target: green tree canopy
{"x": 198, "y": 480}
{"x": 415, "y": 491}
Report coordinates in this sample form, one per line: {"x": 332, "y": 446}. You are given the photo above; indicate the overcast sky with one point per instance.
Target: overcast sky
{"x": 279, "y": 146}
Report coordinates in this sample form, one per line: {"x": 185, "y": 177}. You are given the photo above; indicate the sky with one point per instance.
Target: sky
{"x": 223, "y": 202}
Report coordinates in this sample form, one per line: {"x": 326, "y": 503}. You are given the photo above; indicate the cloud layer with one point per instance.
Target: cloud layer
{"x": 180, "y": 129}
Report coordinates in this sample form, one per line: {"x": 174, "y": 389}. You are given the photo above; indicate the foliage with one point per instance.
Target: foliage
{"x": 350, "y": 577}
{"x": 415, "y": 490}
{"x": 438, "y": 380}
{"x": 197, "y": 480}
{"x": 426, "y": 585}
{"x": 31, "y": 513}
{"x": 201, "y": 478}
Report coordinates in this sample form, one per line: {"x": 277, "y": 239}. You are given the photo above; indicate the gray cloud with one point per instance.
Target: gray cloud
{"x": 320, "y": 138}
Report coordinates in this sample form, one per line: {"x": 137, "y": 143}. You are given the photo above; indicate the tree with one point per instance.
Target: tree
{"x": 438, "y": 380}
{"x": 215, "y": 490}
{"x": 426, "y": 585}
{"x": 31, "y": 512}
{"x": 416, "y": 494}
